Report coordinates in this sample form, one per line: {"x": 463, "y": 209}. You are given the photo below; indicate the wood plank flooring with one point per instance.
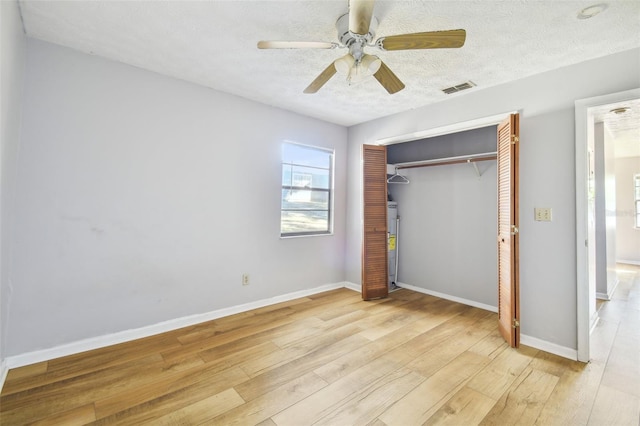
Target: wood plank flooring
{"x": 332, "y": 359}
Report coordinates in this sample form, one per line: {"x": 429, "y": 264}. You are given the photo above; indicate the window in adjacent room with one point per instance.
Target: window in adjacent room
{"x": 636, "y": 198}
{"x": 307, "y": 183}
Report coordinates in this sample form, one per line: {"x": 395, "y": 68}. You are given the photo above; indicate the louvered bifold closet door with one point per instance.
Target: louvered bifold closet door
{"x": 374, "y": 245}
{"x": 508, "y": 273}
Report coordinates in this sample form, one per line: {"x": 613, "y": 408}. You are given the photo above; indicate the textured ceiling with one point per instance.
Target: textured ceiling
{"x": 624, "y": 127}
{"x": 213, "y": 43}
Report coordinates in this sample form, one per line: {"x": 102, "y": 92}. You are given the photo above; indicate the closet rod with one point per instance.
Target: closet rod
{"x": 450, "y": 160}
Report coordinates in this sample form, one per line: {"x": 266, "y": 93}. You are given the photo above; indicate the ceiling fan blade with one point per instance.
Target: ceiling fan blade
{"x": 428, "y": 40}
{"x": 321, "y": 79}
{"x": 360, "y": 12}
{"x": 388, "y": 79}
{"x": 296, "y": 45}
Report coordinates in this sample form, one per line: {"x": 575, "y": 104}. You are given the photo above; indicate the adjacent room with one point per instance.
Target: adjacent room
{"x": 319, "y": 212}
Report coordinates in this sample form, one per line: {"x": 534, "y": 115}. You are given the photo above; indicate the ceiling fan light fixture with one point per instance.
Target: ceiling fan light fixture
{"x": 345, "y": 64}
{"x": 368, "y": 66}
{"x": 371, "y": 63}
{"x": 357, "y": 75}
{"x": 591, "y": 11}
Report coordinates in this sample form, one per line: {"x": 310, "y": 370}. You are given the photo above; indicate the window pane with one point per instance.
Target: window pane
{"x": 306, "y": 190}
{"x": 305, "y": 199}
{"x": 306, "y": 156}
{"x": 305, "y": 177}
{"x": 286, "y": 175}
{"x": 306, "y": 221}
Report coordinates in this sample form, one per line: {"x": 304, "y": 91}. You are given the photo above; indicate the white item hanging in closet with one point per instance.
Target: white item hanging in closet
{"x": 396, "y": 178}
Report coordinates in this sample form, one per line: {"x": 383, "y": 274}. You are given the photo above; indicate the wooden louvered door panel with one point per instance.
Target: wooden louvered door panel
{"x": 508, "y": 256}
{"x": 374, "y": 246}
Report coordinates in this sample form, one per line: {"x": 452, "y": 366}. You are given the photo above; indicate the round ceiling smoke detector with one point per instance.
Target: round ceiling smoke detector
{"x": 620, "y": 110}
{"x": 591, "y": 11}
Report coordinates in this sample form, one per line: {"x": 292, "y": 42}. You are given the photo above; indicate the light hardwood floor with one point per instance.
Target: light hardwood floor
{"x": 332, "y": 359}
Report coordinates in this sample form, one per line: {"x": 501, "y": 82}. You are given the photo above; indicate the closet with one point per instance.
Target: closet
{"x": 461, "y": 196}
{"x": 448, "y": 214}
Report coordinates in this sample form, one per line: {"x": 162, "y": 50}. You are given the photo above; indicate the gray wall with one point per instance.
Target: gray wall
{"x": 547, "y": 177}
{"x": 447, "y": 239}
{"x": 627, "y": 236}
{"x": 142, "y": 198}
{"x": 12, "y": 53}
{"x": 476, "y": 141}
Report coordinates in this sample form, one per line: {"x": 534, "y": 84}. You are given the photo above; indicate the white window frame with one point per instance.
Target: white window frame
{"x": 636, "y": 200}
{"x": 292, "y": 187}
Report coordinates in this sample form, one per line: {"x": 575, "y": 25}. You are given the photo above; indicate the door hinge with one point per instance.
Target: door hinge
{"x": 516, "y": 323}
{"x": 514, "y": 139}
{"x": 514, "y": 230}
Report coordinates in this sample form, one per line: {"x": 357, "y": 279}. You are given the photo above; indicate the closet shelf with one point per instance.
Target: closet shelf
{"x": 448, "y": 160}
{"x": 470, "y": 159}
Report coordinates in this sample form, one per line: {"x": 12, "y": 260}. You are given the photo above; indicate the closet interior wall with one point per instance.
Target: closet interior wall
{"x": 447, "y": 241}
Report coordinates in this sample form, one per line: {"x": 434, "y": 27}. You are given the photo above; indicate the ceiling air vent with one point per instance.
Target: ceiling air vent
{"x": 464, "y": 86}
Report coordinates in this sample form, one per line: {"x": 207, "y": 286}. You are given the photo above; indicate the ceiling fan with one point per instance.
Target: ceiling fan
{"x": 356, "y": 30}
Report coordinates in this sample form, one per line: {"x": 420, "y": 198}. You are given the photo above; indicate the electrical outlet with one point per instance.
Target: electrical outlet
{"x": 245, "y": 279}
{"x": 543, "y": 214}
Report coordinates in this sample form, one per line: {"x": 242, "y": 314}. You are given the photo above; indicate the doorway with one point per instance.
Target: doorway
{"x": 594, "y": 257}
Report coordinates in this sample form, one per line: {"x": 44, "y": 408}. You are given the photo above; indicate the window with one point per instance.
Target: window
{"x": 636, "y": 198}
{"x": 307, "y": 182}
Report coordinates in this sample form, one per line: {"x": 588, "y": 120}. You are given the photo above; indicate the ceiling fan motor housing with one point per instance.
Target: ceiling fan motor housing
{"x": 355, "y": 42}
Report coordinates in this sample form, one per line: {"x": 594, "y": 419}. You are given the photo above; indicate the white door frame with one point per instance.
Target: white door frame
{"x": 582, "y": 259}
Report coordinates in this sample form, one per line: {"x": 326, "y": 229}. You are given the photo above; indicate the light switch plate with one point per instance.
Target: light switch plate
{"x": 543, "y": 214}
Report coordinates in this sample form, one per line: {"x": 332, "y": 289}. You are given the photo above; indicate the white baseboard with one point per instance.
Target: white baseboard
{"x": 3, "y": 373}
{"x": 162, "y": 327}
{"x": 534, "y": 342}
{"x": 449, "y": 297}
{"x": 613, "y": 288}
{"x": 128, "y": 335}
{"x": 628, "y": 262}
{"x": 610, "y": 291}
{"x": 353, "y": 286}
{"x": 552, "y": 348}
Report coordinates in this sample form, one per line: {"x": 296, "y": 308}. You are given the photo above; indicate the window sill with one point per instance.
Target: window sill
{"x": 287, "y": 237}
